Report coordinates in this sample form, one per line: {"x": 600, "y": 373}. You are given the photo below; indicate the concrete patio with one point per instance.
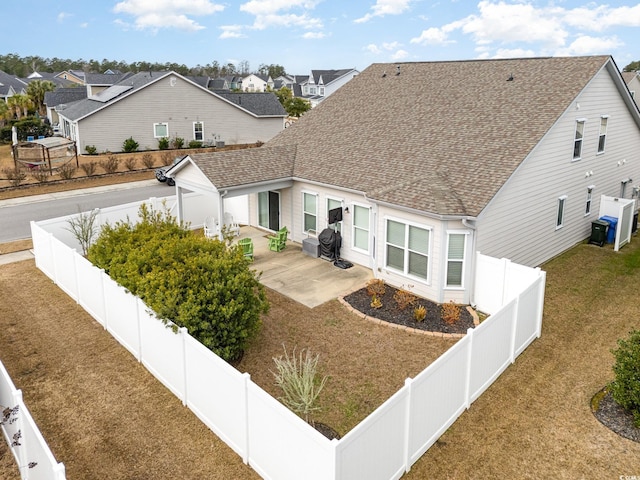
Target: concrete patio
{"x": 307, "y": 280}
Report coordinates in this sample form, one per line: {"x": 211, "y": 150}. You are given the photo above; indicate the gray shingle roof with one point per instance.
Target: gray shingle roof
{"x": 238, "y": 167}
{"x": 426, "y": 140}
{"x": 64, "y": 95}
{"x": 104, "y": 78}
{"x": 260, "y": 104}
{"x": 7, "y": 81}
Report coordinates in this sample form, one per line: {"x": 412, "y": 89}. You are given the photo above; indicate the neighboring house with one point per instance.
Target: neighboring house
{"x": 97, "y": 82}
{"x": 149, "y": 106}
{"x": 256, "y": 83}
{"x": 322, "y": 83}
{"x": 632, "y": 79}
{"x": 74, "y": 76}
{"x": 60, "y": 98}
{"x": 10, "y": 86}
{"x": 428, "y": 177}
{"x": 51, "y": 77}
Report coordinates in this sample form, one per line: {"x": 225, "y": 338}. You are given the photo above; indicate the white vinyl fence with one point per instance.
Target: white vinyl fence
{"x": 33, "y": 456}
{"x": 274, "y": 441}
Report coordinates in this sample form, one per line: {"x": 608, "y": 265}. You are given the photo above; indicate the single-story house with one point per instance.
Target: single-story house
{"x": 632, "y": 79}
{"x": 512, "y": 162}
{"x": 149, "y": 106}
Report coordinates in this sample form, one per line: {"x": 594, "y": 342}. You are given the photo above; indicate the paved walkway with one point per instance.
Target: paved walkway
{"x": 15, "y": 257}
{"x": 307, "y": 280}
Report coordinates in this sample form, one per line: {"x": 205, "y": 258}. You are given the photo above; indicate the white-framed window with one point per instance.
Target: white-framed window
{"x": 310, "y": 211}
{"x": 456, "y": 253}
{"x": 587, "y": 208}
{"x": 198, "y": 131}
{"x": 407, "y": 249}
{"x": 321, "y": 90}
{"x": 331, "y": 204}
{"x": 160, "y": 130}
{"x": 360, "y": 236}
{"x": 603, "y": 134}
{"x": 577, "y": 139}
{"x": 562, "y": 201}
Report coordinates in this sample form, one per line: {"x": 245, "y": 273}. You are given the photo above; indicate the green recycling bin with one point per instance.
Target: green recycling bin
{"x": 598, "y": 232}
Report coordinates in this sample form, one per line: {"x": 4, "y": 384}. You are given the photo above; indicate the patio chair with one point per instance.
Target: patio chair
{"x": 279, "y": 241}
{"x": 247, "y": 247}
{"x": 211, "y": 227}
{"x": 231, "y": 225}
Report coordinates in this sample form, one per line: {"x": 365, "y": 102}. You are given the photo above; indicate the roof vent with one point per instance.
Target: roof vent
{"x": 398, "y": 70}
{"x": 384, "y": 74}
{"x": 510, "y": 79}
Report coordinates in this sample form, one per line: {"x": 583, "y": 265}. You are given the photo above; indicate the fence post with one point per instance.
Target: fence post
{"x": 53, "y": 258}
{"x": 408, "y": 382}
{"x": 514, "y": 327}
{"x": 505, "y": 280}
{"x": 542, "y": 280}
{"x": 245, "y": 394}
{"x": 467, "y": 387}
{"x": 77, "y": 274}
{"x": 19, "y": 442}
{"x": 184, "y": 332}
{"x": 138, "y": 302}
{"x": 105, "y": 303}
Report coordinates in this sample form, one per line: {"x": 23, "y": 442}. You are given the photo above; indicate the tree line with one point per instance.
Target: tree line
{"x": 22, "y": 67}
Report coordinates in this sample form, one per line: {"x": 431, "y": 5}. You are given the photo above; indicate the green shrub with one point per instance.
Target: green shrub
{"x": 192, "y": 281}
{"x": 177, "y": 142}
{"x": 91, "y": 149}
{"x": 195, "y": 144}
{"x": 130, "y": 145}
{"x": 625, "y": 389}
{"x": 163, "y": 143}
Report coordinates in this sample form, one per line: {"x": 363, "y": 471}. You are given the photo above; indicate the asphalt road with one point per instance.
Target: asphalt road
{"x": 15, "y": 214}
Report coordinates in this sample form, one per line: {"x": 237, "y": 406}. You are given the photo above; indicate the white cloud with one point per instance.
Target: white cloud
{"x": 62, "y": 16}
{"x": 313, "y": 35}
{"x": 385, "y": 7}
{"x": 373, "y": 49}
{"x": 432, "y": 36}
{"x": 232, "y": 31}
{"x": 399, "y": 55}
{"x": 157, "y": 14}
{"x": 586, "y": 45}
{"x": 502, "y": 28}
{"x": 277, "y": 13}
{"x": 266, "y": 7}
{"x": 84, "y": 24}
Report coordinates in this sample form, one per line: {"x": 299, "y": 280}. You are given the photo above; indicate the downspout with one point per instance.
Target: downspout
{"x": 221, "y": 213}
{"x": 180, "y": 203}
{"x": 471, "y": 226}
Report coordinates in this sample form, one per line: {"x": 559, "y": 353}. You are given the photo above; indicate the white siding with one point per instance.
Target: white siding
{"x": 520, "y": 222}
{"x": 179, "y": 106}
{"x": 291, "y": 217}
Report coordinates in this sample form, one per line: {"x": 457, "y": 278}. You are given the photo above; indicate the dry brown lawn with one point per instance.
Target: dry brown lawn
{"x": 104, "y": 416}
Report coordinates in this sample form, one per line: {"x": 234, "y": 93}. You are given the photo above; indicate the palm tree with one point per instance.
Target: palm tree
{"x": 36, "y": 90}
{"x": 4, "y": 113}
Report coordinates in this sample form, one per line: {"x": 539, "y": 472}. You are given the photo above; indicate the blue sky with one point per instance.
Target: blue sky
{"x": 320, "y": 34}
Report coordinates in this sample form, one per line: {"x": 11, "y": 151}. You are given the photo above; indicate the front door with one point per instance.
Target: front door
{"x": 269, "y": 210}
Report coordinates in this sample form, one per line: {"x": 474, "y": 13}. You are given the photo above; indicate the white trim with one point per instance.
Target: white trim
{"x": 467, "y": 234}
{"x": 194, "y": 131}
{"x": 408, "y": 223}
{"x": 563, "y": 199}
{"x": 315, "y": 194}
{"x": 154, "y": 130}
{"x": 353, "y": 227}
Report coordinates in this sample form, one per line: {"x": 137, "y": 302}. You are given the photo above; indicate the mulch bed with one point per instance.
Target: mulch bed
{"x": 390, "y": 312}
{"x": 616, "y": 418}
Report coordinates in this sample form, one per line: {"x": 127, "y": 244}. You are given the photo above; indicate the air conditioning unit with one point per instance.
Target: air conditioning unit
{"x": 311, "y": 247}
{"x": 219, "y": 144}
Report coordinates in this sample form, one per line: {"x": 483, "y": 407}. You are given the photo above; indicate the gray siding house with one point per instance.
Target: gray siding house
{"x": 149, "y": 106}
{"x": 428, "y": 177}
